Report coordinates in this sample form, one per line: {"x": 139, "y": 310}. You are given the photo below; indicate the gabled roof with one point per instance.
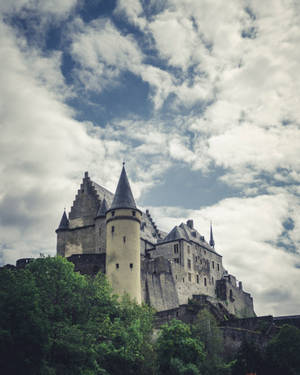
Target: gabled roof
{"x": 64, "y": 223}
{"x": 176, "y": 234}
{"x": 185, "y": 232}
{"x": 123, "y": 196}
{"x": 102, "y": 209}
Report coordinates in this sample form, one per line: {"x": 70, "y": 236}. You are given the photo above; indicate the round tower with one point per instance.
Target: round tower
{"x": 123, "y": 219}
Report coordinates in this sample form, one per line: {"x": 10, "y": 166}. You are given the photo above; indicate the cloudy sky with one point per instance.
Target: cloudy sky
{"x": 200, "y": 97}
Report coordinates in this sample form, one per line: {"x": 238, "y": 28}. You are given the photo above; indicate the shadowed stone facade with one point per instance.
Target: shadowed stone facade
{"x": 173, "y": 267}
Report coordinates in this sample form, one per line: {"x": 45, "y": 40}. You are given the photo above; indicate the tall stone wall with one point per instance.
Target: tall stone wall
{"x": 158, "y": 287}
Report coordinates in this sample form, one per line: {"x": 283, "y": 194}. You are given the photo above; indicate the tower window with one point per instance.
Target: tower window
{"x": 189, "y": 264}
{"x": 112, "y": 229}
{"x": 205, "y": 283}
{"x": 133, "y": 213}
{"x": 131, "y": 265}
{"x": 117, "y": 265}
{"x": 218, "y": 267}
{"x": 212, "y": 280}
{"x": 124, "y": 239}
{"x": 176, "y": 248}
{"x": 189, "y": 277}
{"x": 112, "y": 213}
{"x": 197, "y": 279}
{"x": 213, "y": 264}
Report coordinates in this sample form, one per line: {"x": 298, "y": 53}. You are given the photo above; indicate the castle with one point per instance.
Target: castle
{"x": 107, "y": 232}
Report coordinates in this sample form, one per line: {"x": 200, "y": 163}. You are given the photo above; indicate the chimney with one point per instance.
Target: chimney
{"x": 190, "y": 224}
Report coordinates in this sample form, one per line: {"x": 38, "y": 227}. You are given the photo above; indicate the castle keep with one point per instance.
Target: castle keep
{"x": 107, "y": 232}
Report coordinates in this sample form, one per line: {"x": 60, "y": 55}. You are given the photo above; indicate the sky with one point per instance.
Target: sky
{"x": 199, "y": 97}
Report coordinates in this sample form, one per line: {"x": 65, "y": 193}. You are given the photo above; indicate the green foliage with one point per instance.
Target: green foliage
{"x": 206, "y": 330}
{"x": 249, "y": 360}
{"x": 282, "y": 353}
{"x": 177, "y": 350}
{"x": 54, "y": 321}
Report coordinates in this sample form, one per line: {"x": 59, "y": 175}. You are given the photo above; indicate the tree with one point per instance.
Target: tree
{"x": 23, "y": 330}
{"x": 282, "y": 352}
{"x": 208, "y": 332}
{"x": 249, "y": 359}
{"x": 178, "y": 352}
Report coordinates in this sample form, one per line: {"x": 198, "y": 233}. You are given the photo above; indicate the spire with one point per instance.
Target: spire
{"x": 123, "y": 195}
{"x": 102, "y": 209}
{"x": 211, "y": 240}
{"x": 64, "y": 223}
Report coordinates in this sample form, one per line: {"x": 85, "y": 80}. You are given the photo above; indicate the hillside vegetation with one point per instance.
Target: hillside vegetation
{"x": 54, "y": 321}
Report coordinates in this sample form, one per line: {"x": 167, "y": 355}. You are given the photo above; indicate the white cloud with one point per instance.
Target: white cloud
{"x": 43, "y": 150}
{"x": 57, "y": 8}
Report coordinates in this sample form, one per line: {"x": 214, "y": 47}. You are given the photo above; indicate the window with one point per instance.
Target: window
{"x": 112, "y": 229}
{"x": 176, "y": 277}
{"x": 124, "y": 239}
{"x": 176, "y": 248}
{"x": 231, "y": 295}
{"x": 183, "y": 279}
{"x": 189, "y": 264}
{"x": 133, "y": 213}
{"x": 213, "y": 264}
{"x": 112, "y": 213}
{"x": 176, "y": 260}
{"x": 188, "y": 248}
{"x": 131, "y": 266}
{"x": 189, "y": 276}
{"x": 212, "y": 280}
{"x": 218, "y": 267}
{"x": 197, "y": 279}
{"x": 117, "y": 265}
{"x": 205, "y": 283}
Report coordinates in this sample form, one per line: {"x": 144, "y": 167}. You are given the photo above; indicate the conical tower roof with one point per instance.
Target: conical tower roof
{"x": 64, "y": 223}
{"x": 211, "y": 239}
{"x": 123, "y": 195}
{"x": 102, "y": 209}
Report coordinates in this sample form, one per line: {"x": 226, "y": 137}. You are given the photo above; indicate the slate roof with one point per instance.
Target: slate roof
{"x": 123, "y": 195}
{"x": 64, "y": 223}
{"x": 103, "y": 193}
{"x": 102, "y": 209}
{"x": 183, "y": 231}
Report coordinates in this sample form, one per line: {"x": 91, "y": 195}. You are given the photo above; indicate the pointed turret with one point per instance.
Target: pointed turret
{"x": 123, "y": 259}
{"x": 102, "y": 209}
{"x": 64, "y": 223}
{"x": 211, "y": 239}
{"x": 123, "y": 196}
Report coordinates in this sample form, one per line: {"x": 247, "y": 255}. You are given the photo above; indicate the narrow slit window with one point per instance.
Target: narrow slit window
{"x": 197, "y": 279}
{"x": 117, "y": 266}
{"x": 189, "y": 277}
{"x": 112, "y": 229}
{"x": 124, "y": 239}
{"x": 131, "y": 266}
{"x": 213, "y": 264}
{"x": 205, "y": 283}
